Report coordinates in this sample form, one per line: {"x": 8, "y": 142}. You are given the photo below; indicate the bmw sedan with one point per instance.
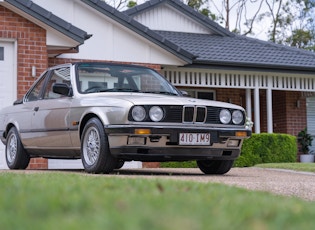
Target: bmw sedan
{"x": 107, "y": 114}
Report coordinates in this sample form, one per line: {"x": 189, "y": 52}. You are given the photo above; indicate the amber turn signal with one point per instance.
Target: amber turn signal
{"x": 241, "y": 134}
{"x": 142, "y": 131}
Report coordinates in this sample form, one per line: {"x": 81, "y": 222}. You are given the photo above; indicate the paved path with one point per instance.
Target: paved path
{"x": 283, "y": 182}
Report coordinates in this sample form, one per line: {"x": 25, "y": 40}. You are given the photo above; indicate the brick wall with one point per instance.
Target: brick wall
{"x": 32, "y": 51}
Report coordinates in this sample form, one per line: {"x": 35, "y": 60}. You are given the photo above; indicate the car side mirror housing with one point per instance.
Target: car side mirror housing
{"x": 63, "y": 89}
{"x": 184, "y": 93}
{"x": 18, "y": 102}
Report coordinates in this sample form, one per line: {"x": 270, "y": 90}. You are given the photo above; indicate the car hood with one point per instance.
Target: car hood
{"x": 160, "y": 99}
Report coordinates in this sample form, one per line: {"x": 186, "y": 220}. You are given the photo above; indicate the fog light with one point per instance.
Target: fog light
{"x": 136, "y": 140}
{"x": 233, "y": 143}
{"x": 142, "y": 131}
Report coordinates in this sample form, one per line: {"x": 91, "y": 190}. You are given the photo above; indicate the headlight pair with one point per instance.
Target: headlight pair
{"x": 226, "y": 116}
{"x": 155, "y": 113}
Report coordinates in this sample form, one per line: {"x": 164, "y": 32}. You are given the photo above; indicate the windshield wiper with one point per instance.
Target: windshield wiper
{"x": 120, "y": 90}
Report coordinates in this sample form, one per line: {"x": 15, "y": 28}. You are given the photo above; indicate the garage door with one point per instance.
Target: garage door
{"x": 310, "y": 108}
{"x": 8, "y": 83}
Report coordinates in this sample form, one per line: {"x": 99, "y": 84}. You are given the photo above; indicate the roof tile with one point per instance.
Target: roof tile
{"x": 239, "y": 50}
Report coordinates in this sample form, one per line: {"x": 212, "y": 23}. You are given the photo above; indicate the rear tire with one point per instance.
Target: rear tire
{"x": 215, "y": 166}
{"x": 95, "y": 153}
{"x": 120, "y": 164}
{"x": 15, "y": 154}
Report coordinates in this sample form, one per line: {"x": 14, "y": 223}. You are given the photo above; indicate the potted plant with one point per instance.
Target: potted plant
{"x": 305, "y": 141}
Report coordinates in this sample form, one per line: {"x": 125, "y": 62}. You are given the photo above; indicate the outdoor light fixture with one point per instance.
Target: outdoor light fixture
{"x": 33, "y": 71}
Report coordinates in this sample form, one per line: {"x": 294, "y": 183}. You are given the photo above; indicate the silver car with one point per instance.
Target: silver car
{"x": 107, "y": 114}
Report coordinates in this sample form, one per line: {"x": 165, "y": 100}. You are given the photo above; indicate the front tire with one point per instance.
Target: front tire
{"x": 95, "y": 153}
{"x": 15, "y": 154}
{"x": 215, "y": 166}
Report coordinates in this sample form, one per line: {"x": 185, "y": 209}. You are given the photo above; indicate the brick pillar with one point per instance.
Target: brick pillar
{"x": 151, "y": 165}
{"x": 38, "y": 163}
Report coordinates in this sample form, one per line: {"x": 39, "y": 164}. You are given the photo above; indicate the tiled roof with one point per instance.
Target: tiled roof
{"x": 140, "y": 29}
{"x": 241, "y": 51}
{"x": 224, "y": 48}
{"x": 50, "y": 19}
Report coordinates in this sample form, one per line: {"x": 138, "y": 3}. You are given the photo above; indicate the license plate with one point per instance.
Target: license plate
{"x": 194, "y": 138}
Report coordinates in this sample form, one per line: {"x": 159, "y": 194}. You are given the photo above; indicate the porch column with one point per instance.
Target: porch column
{"x": 249, "y": 104}
{"x": 256, "y": 110}
{"x": 269, "y": 111}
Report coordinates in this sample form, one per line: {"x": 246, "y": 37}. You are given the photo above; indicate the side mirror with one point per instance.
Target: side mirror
{"x": 63, "y": 89}
{"x": 18, "y": 101}
{"x": 184, "y": 93}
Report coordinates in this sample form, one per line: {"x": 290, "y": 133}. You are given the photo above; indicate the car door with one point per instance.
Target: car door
{"x": 25, "y": 112}
{"x": 50, "y": 120}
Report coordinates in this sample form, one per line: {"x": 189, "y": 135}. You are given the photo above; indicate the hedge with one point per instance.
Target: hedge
{"x": 260, "y": 148}
{"x": 267, "y": 148}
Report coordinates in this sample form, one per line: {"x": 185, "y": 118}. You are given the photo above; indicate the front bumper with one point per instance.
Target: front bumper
{"x": 162, "y": 143}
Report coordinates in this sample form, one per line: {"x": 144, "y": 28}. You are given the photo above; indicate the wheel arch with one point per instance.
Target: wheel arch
{"x": 9, "y": 126}
{"x": 85, "y": 119}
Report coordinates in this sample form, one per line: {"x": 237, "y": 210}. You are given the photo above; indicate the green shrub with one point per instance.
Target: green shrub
{"x": 184, "y": 164}
{"x": 267, "y": 148}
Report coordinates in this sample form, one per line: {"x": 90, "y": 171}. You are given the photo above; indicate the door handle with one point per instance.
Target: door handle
{"x": 36, "y": 108}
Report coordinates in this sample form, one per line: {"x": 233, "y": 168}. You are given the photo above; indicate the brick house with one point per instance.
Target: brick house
{"x": 274, "y": 83}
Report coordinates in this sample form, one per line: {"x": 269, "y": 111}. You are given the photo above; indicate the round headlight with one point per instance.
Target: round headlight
{"x": 156, "y": 113}
{"x": 225, "y": 116}
{"x": 237, "y": 117}
{"x": 138, "y": 113}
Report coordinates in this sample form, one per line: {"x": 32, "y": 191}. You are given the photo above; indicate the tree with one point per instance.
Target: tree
{"x": 131, "y": 4}
{"x": 292, "y": 22}
{"x": 117, "y": 4}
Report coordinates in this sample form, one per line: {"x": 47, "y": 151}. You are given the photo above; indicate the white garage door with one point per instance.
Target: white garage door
{"x": 8, "y": 83}
{"x": 310, "y": 107}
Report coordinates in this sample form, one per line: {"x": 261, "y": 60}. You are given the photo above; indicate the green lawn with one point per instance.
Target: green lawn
{"x": 56, "y": 200}
{"x": 306, "y": 167}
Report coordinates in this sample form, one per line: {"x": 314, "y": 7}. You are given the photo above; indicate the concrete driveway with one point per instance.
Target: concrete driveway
{"x": 282, "y": 182}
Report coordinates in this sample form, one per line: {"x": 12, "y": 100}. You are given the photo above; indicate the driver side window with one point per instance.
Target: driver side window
{"x": 35, "y": 93}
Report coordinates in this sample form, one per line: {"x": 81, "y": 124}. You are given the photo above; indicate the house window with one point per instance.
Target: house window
{"x": 201, "y": 94}
{"x": 1, "y": 53}
{"x": 209, "y": 95}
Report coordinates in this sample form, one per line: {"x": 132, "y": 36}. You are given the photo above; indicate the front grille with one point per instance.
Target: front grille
{"x": 192, "y": 114}
{"x": 188, "y": 114}
{"x": 201, "y": 114}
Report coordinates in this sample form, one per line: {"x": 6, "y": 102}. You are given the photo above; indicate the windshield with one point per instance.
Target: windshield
{"x": 100, "y": 77}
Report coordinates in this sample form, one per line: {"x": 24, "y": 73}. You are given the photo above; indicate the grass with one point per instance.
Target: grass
{"x": 306, "y": 167}
{"x": 57, "y": 200}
